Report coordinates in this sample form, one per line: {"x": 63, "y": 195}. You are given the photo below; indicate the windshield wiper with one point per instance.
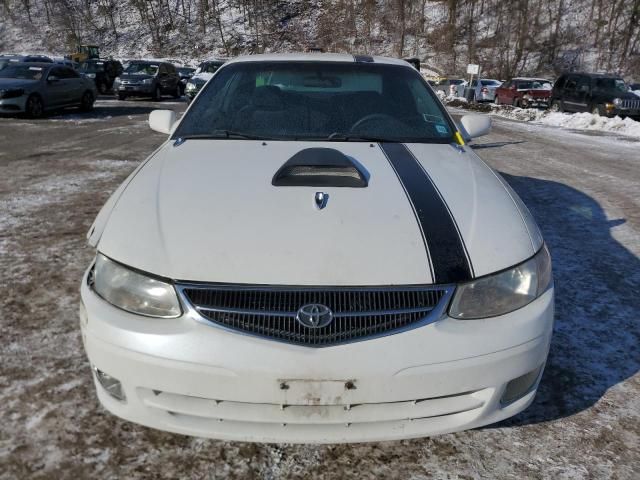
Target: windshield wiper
{"x": 343, "y": 137}
{"x": 221, "y": 134}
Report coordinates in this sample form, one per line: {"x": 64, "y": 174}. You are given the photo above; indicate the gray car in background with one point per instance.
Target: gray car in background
{"x": 34, "y": 88}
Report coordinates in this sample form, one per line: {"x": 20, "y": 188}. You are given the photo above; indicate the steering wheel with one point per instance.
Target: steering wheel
{"x": 373, "y": 117}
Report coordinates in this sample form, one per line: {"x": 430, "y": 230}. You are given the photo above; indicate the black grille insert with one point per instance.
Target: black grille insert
{"x": 358, "y": 313}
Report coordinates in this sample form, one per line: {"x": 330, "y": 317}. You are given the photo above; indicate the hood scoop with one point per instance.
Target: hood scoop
{"x": 321, "y": 167}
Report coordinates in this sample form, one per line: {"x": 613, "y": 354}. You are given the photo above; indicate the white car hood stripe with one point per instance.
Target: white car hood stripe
{"x": 449, "y": 260}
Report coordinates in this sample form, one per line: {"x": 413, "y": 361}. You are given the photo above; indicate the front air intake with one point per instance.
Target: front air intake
{"x": 320, "y": 167}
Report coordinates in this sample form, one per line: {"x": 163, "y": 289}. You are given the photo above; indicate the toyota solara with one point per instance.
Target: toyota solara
{"x": 316, "y": 255}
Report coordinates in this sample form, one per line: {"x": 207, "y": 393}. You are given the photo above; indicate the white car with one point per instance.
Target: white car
{"x": 483, "y": 90}
{"x": 315, "y": 255}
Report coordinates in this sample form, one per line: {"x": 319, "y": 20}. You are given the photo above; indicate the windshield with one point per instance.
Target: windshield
{"x": 613, "y": 85}
{"x": 23, "y": 72}
{"x": 319, "y": 101}
{"x": 3, "y": 63}
{"x": 141, "y": 69}
{"x": 92, "y": 67}
{"x": 185, "y": 71}
{"x": 534, "y": 85}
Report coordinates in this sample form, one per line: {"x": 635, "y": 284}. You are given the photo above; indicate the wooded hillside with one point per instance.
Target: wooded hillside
{"x": 507, "y": 37}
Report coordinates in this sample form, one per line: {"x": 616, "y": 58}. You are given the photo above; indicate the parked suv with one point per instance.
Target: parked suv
{"x": 147, "y": 78}
{"x": 600, "y": 94}
{"x": 102, "y": 72}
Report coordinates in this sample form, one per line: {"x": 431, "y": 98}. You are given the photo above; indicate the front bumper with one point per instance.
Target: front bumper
{"x": 133, "y": 90}
{"x": 624, "y": 112}
{"x": 13, "y": 105}
{"x": 186, "y": 377}
{"x": 535, "y": 101}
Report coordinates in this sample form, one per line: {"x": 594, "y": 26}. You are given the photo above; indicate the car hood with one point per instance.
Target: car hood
{"x": 7, "y": 83}
{"x": 628, "y": 96}
{"x": 131, "y": 76}
{"x": 207, "y": 211}
{"x": 204, "y": 76}
{"x": 536, "y": 91}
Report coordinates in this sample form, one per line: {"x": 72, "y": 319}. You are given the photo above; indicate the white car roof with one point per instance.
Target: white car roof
{"x": 315, "y": 57}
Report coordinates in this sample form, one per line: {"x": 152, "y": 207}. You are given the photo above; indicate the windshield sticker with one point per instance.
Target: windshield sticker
{"x": 36, "y": 69}
{"x": 154, "y": 66}
{"x": 432, "y": 118}
{"x": 442, "y": 129}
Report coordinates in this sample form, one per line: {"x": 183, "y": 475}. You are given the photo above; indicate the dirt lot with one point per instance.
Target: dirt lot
{"x": 584, "y": 190}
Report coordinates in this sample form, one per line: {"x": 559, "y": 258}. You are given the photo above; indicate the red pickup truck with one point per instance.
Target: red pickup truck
{"x": 524, "y": 92}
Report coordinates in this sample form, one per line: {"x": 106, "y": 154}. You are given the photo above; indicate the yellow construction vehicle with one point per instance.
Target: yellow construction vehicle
{"x": 84, "y": 52}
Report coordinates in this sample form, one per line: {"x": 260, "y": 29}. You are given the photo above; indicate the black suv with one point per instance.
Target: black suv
{"x": 600, "y": 94}
{"x": 102, "y": 72}
{"x": 147, "y": 78}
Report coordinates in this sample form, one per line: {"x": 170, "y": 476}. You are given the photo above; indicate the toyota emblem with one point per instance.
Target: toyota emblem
{"x": 314, "y": 315}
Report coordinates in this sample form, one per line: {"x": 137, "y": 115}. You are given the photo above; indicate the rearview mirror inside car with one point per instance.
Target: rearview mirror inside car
{"x": 476, "y": 125}
{"x": 162, "y": 120}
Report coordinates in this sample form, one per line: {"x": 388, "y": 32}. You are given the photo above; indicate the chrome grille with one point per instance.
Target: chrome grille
{"x": 631, "y": 104}
{"x": 359, "y": 313}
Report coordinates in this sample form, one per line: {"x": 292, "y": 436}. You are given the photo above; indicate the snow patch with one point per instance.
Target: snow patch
{"x": 575, "y": 121}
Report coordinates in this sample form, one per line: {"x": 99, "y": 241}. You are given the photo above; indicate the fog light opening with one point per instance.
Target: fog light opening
{"x": 112, "y": 385}
{"x": 521, "y": 386}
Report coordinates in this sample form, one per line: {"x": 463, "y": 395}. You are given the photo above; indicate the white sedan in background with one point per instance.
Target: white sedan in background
{"x": 315, "y": 255}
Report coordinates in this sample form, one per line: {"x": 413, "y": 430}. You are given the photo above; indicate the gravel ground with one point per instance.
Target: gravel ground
{"x": 56, "y": 173}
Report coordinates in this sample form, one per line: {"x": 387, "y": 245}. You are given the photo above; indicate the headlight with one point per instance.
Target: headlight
{"x": 147, "y": 80}
{"x": 90, "y": 75}
{"x": 133, "y": 291}
{"x": 190, "y": 86}
{"x": 503, "y": 292}
{"x": 13, "y": 93}
{"x": 617, "y": 101}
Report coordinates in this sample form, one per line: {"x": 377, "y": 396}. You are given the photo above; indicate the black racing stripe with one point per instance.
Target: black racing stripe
{"x": 444, "y": 243}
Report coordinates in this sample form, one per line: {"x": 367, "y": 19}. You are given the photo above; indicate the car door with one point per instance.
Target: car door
{"x": 55, "y": 92}
{"x": 583, "y": 94}
{"x": 569, "y": 94}
{"x": 75, "y": 86}
{"x": 174, "y": 76}
{"x": 504, "y": 92}
{"x": 163, "y": 78}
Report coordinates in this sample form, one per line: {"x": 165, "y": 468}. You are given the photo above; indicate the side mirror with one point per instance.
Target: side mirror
{"x": 476, "y": 125}
{"x": 52, "y": 79}
{"x": 162, "y": 120}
